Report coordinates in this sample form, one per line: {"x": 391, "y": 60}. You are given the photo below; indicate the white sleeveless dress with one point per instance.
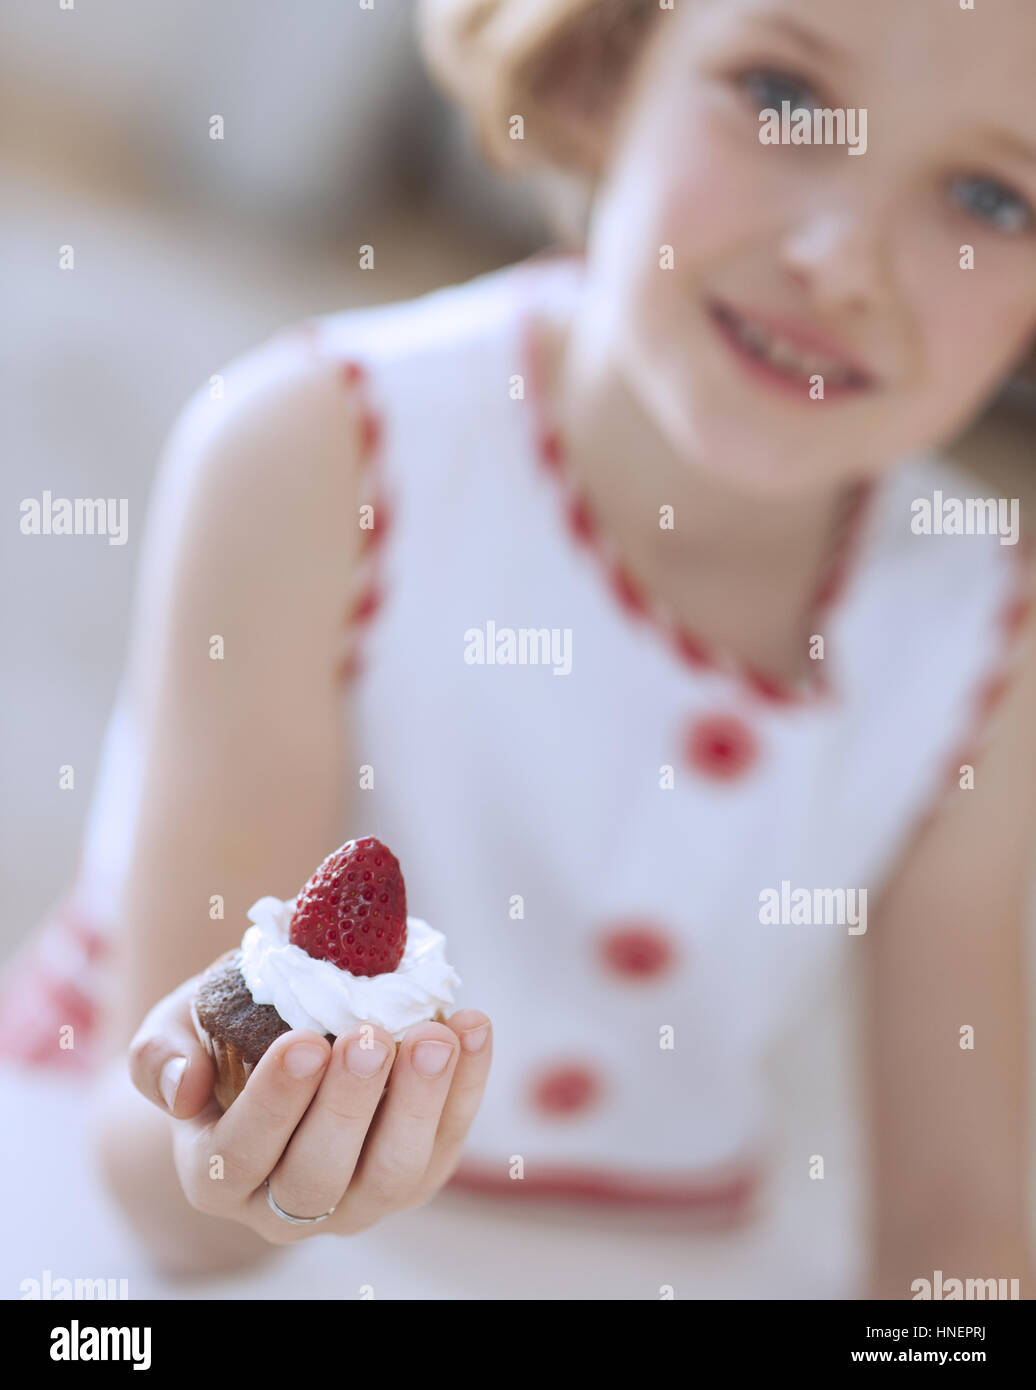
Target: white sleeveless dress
{"x": 592, "y": 827}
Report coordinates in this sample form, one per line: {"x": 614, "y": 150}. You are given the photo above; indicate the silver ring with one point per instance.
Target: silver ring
{"x": 287, "y": 1216}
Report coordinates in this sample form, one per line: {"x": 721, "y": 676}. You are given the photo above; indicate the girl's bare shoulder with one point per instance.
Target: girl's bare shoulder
{"x": 264, "y": 447}
{"x": 253, "y": 524}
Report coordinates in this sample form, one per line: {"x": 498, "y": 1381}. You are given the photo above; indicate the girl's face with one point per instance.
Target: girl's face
{"x": 791, "y": 260}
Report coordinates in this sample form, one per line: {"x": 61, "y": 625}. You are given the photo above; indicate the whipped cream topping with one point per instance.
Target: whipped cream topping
{"x": 310, "y": 993}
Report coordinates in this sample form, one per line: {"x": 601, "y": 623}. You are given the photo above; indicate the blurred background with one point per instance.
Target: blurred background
{"x": 188, "y": 251}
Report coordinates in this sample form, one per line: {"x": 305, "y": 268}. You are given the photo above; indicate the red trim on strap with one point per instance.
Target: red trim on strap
{"x": 370, "y": 432}
{"x": 581, "y": 522}
{"x": 988, "y": 694}
{"x": 550, "y": 451}
{"x": 370, "y": 593}
{"x": 366, "y": 606}
{"x": 354, "y": 378}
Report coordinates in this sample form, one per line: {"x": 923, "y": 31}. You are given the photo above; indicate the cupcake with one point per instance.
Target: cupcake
{"x": 342, "y": 952}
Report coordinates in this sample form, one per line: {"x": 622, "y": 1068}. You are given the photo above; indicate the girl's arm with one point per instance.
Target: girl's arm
{"x": 252, "y": 538}
{"x": 947, "y": 951}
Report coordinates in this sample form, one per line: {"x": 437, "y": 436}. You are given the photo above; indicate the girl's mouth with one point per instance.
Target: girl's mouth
{"x": 783, "y": 356}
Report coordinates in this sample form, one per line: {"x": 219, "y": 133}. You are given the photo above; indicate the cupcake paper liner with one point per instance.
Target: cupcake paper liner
{"x": 232, "y": 1071}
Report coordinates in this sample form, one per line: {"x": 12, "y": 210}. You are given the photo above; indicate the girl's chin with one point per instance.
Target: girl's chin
{"x": 748, "y": 451}
{"x": 746, "y": 466}
{"x": 775, "y": 485}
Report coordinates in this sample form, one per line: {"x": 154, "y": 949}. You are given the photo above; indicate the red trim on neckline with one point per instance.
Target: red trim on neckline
{"x": 686, "y": 645}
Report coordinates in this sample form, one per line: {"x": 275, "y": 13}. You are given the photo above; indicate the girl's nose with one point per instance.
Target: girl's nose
{"x": 839, "y": 255}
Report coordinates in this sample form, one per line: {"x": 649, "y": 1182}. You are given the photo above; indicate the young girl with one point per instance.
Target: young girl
{"x": 686, "y": 475}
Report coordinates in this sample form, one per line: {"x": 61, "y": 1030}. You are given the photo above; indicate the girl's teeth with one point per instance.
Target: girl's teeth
{"x": 781, "y": 354}
{"x": 784, "y": 354}
{"x": 751, "y": 335}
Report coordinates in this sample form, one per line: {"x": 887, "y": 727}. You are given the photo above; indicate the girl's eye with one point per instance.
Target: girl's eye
{"x": 993, "y": 203}
{"x": 767, "y": 88}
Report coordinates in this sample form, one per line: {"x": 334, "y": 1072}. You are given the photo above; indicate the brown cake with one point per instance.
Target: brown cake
{"x": 235, "y": 1029}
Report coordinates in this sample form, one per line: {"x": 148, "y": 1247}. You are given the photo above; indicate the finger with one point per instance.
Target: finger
{"x": 167, "y": 1063}
{"x": 249, "y": 1139}
{"x": 402, "y": 1136}
{"x": 475, "y": 1033}
{"x": 315, "y": 1169}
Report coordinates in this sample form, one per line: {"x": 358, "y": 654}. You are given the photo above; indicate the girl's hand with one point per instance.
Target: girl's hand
{"x": 306, "y": 1119}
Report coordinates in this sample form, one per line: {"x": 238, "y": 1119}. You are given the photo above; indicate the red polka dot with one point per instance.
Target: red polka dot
{"x": 638, "y": 950}
{"x": 721, "y": 747}
{"x": 352, "y": 373}
{"x": 565, "y": 1090}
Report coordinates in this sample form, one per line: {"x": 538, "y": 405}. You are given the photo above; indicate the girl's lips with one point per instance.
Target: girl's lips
{"x": 754, "y": 341}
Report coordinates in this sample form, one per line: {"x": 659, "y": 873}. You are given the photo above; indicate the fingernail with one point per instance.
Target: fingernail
{"x": 169, "y": 1080}
{"x": 304, "y": 1059}
{"x": 430, "y": 1058}
{"x": 365, "y": 1061}
{"x": 473, "y": 1040}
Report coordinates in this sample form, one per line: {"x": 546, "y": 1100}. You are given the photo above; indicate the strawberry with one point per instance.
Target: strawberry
{"x": 352, "y": 912}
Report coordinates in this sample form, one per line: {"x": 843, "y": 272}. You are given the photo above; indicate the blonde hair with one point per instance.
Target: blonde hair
{"x": 500, "y": 59}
